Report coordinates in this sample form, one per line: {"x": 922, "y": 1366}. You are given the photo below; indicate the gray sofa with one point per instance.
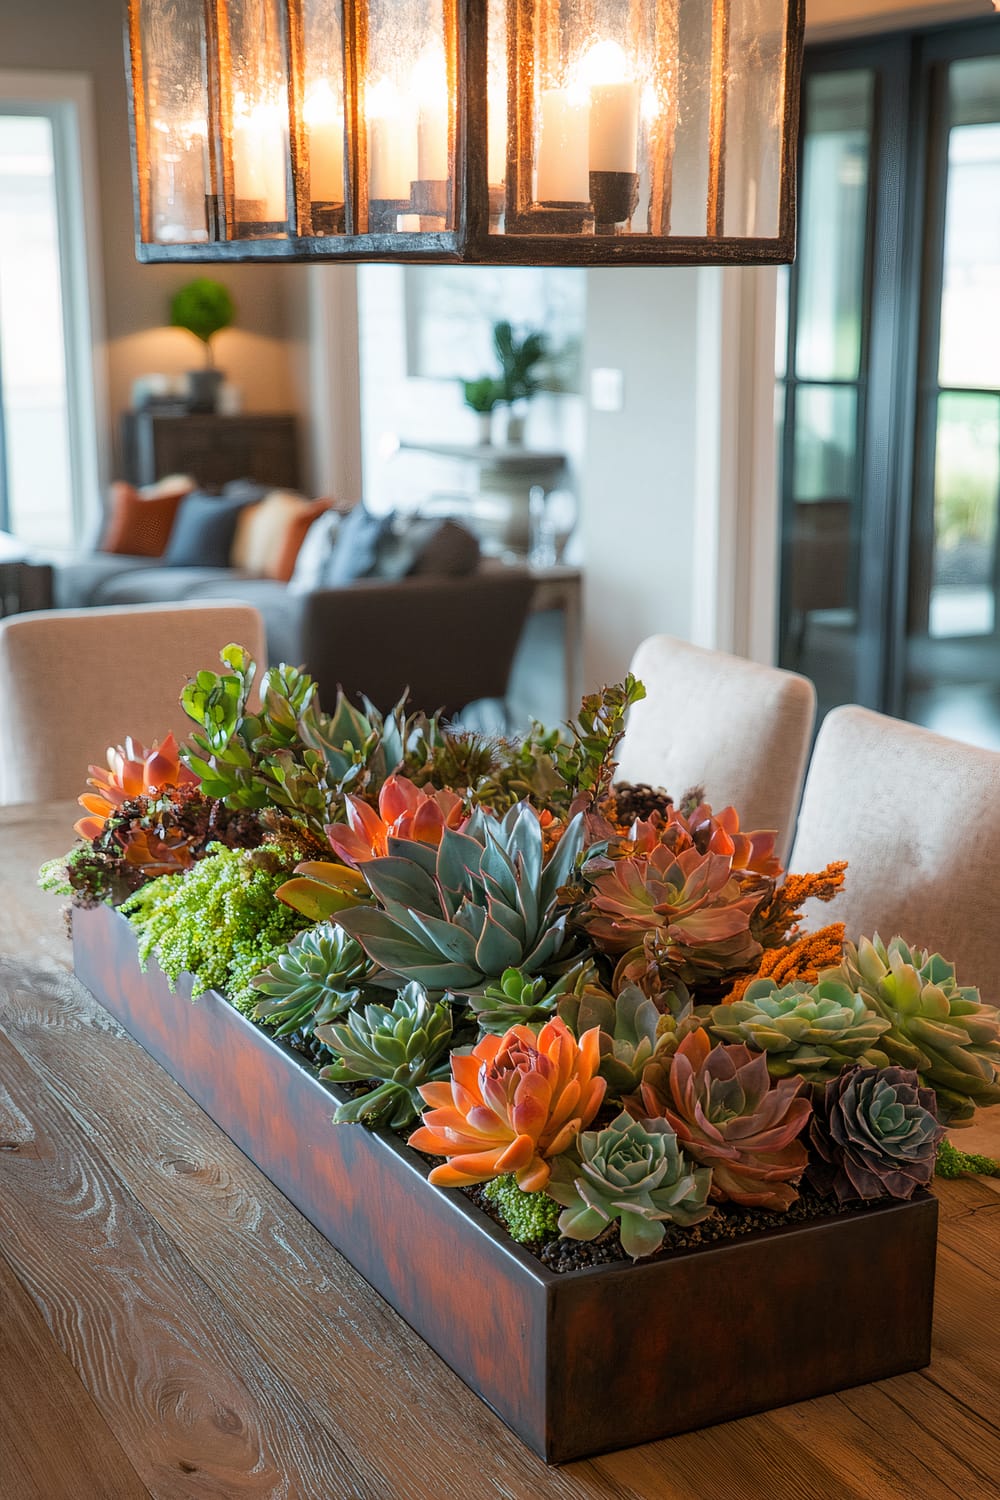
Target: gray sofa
{"x": 450, "y": 640}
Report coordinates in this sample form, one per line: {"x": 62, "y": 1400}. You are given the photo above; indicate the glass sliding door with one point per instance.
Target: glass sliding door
{"x": 888, "y": 367}
{"x": 952, "y": 658}
{"x": 823, "y": 384}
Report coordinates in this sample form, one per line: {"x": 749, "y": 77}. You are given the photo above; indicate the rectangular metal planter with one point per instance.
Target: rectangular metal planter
{"x": 576, "y": 1364}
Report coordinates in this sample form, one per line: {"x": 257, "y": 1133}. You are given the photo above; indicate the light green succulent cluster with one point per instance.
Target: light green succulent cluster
{"x": 934, "y": 1025}
{"x": 485, "y": 901}
{"x": 517, "y": 999}
{"x": 633, "y": 1171}
{"x": 631, "y": 1031}
{"x": 400, "y": 1048}
{"x": 531, "y": 1218}
{"x": 813, "y": 1029}
{"x": 315, "y": 980}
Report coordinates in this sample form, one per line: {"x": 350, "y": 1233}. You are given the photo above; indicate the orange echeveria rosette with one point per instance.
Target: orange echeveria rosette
{"x": 513, "y": 1103}
{"x": 132, "y": 771}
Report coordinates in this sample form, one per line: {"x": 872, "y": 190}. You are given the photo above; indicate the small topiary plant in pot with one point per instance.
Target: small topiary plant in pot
{"x": 203, "y": 307}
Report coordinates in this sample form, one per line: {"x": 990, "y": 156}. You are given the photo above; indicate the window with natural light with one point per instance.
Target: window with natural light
{"x": 36, "y": 484}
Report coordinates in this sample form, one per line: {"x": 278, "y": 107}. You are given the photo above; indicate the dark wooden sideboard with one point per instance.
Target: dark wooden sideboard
{"x": 214, "y": 449}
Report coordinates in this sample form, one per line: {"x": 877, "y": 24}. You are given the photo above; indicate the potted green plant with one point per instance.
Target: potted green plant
{"x": 482, "y": 396}
{"x": 519, "y": 379}
{"x": 203, "y": 307}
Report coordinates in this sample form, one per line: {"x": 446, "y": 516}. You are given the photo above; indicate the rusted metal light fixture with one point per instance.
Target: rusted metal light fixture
{"x": 563, "y": 132}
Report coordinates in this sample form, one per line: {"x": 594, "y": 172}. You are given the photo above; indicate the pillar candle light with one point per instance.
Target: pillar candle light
{"x": 259, "y": 150}
{"x": 392, "y": 153}
{"x": 614, "y": 108}
{"x": 430, "y": 89}
{"x": 563, "y": 148}
{"x": 323, "y": 115}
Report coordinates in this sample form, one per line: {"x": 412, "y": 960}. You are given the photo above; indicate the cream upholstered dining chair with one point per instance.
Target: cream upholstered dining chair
{"x": 73, "y": 682}
{"x": 738, "y": 729}
{"x": 917, "y": 817}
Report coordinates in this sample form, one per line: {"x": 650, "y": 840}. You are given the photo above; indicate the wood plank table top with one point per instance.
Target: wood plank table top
{"x": 171, "y": 1326}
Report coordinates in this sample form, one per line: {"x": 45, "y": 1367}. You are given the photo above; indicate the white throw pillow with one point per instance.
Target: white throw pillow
{"x": 310, "y": 565}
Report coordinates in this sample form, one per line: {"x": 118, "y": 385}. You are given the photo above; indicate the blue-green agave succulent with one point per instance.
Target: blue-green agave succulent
{"x": 485, "y": 901}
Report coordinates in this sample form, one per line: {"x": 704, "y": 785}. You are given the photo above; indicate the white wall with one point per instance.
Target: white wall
{"x": 854, "y": 17}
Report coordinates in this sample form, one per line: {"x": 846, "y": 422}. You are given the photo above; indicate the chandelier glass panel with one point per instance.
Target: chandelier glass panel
{"x": 564, "y": 132}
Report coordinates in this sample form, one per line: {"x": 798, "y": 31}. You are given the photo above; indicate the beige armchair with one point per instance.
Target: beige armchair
{"x": 917, "y": 817}
{"x": 73, "y": 682}
{"x": 738, "y": 729}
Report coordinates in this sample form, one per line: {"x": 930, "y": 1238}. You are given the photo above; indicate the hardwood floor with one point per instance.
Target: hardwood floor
{"x": 171, "y": 1326}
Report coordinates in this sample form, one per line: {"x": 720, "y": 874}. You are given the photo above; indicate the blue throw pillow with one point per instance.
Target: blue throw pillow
{"x": 203, "y": 532}
{"x": 355, "y": 548}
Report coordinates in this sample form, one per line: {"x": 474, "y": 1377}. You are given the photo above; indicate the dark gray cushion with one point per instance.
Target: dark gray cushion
{"x": 426, "y": 544}
{"x": 164, "y": 585}
{"x": 206, "y": 524}
{"x": 77, "y": 580}
{"x": 355, "y": 548}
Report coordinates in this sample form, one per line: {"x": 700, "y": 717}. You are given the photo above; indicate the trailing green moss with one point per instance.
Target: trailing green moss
{"x": 954, "y": 1163}
{"x": 530, "y": 1218}
{"x": 219, "y": 921}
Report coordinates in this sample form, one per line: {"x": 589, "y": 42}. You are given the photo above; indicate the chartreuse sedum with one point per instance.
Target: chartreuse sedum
{"x": 484, "y": 901}
{"x": 937, "y": 1027}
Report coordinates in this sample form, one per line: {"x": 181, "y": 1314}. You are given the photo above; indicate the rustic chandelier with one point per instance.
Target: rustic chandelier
{"x": 567, "y": 132}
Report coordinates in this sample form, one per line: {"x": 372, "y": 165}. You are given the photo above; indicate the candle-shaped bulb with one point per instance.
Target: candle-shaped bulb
{"x": 614, "y": 107}
{"x": 323, "y": 116}
{"x": 259, "y": 151}
{"x": 429, "y": 86}
{"x": 392, "y": 155}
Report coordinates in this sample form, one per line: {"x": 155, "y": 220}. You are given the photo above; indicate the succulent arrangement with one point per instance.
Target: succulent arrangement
{"x": 596, "y": 1008}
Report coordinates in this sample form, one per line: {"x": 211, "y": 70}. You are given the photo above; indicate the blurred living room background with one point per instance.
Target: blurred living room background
{"x": 802, "y": 466}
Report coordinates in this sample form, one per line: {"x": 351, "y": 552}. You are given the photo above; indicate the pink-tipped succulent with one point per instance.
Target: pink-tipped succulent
{"x": 685, "y": 913}
{"x": 405, "y": 811}
{"x": 728, "y": 1116}
{"x": 132, "y": 771}
{"x": 710, "y": 833}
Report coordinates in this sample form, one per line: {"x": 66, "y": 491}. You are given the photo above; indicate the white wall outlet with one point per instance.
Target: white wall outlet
{"x": 607, "y": 389}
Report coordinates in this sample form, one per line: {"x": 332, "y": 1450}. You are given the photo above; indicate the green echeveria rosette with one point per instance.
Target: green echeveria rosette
{"x": 316, "y": 979}
{"x": 936, "y": 1026}
{"x": 633, "y": 1029}
{"x": 398, "y": 1048}
{"x": 874, "y": 1133}
{"x": 633, "y": 1171}
{"x": 815, "y": 1030}
{"x": 518, "y": 999}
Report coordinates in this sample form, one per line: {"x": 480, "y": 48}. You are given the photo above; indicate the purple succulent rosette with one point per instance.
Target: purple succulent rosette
{"x": 874, "y": 1134}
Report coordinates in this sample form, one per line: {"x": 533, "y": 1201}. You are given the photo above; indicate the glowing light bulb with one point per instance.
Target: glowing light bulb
{"x": 323, "y": 116}
{"x": 604, "y": 62}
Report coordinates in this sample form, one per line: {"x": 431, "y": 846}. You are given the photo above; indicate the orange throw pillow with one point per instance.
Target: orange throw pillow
{"x": 140, "y": 521}
{"x": 295, "y": 534}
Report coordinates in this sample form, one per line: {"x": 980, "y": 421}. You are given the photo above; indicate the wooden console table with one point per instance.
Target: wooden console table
{"x": 214, "y": 449}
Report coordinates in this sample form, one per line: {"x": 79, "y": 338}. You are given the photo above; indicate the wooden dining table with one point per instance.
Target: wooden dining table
{"x": 171, "y": 1326}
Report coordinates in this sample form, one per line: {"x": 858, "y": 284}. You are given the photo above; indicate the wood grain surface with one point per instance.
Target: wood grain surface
{"x": 171, "y": 1326}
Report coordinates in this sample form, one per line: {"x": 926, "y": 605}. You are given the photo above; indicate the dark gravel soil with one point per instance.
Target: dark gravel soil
{"x": 727, "y": 1223}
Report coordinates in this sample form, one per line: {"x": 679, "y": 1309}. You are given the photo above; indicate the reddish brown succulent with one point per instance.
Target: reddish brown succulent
{"x": 132, "y": 771}
{"x": 513, "y": 1103}
{"x": 729, "y": 1117}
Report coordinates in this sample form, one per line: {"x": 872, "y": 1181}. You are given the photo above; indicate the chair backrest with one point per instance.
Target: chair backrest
{"x": 738, "y": 729}
{"x": 917, "y": 817}
{"x": 73, "y": 682}
{"x": 450, "y": 641}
